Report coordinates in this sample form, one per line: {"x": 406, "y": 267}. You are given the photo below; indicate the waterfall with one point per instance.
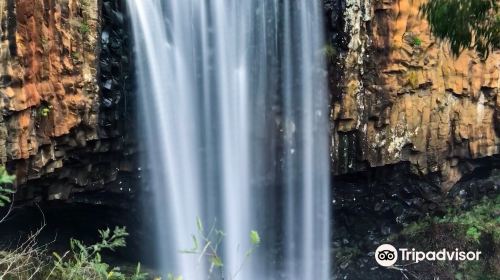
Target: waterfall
{"x": 234, "y": 113}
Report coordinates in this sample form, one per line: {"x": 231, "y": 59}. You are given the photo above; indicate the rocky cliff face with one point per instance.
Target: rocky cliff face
{"x": 56, "y": 124}
{"x": 404, "y": 97}
{"x": 398, "y": 95}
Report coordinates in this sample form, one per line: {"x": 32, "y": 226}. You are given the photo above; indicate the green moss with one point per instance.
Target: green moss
{"x": 330, "y": 52}
{"x": 416, "y": 42}
{"x": 45, "y": 110}
{"x": 84, "y": 28}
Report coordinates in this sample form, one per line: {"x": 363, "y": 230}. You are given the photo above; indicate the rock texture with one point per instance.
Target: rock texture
{"x": 404, "y": 97}
{"x": 398, "y": 95}
{"x": 54, "y": 129}
{"x": 48, "y": 78}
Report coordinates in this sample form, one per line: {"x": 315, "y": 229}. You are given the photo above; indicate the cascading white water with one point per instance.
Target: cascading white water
{"x": 235, "y": 118}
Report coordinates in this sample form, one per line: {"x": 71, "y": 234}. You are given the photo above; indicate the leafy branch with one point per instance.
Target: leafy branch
{"x": 465, "y": 24}
{"x": 84, "y": 262}
{"x": 206, "y": 246}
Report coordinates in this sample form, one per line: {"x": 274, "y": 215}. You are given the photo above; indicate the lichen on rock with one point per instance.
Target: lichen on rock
{"x": 407, "y": 98}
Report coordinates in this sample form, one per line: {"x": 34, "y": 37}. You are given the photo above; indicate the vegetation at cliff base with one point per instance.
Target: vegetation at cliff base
{"x": 474, "y": 229}
{"x": 5, "y": 193}
{"x": 82, "y": 262}
{"x": 29, "y": 260}
{"x": 465, "y": 24}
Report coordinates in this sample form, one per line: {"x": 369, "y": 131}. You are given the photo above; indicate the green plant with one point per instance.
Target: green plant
{"x": 329, "y": 52}
{"x": 416, "y": 228}
{"x": 45, "y": 110}
{"x": 479, "y": 220}
{"x": 473, "y": 223}
{"x": 5, "y": 193}
{"x": 471, "y": 229}
{"x": 84, "y": 27}
{"x": 465, "y": 23}
{"x": 84, "y": 262}
{"x": 416, "y": 42}
{"x": 473, "y": 233}
{"x": 172, "y": 277}
{"x": 139, "y": 275}
{"x": 206, "y": 246}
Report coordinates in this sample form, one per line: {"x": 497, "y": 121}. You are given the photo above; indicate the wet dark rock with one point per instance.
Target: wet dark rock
{"x": 371, "y": 206}
{"x": 105, "y": 37}
{"x": 82, "y": 163}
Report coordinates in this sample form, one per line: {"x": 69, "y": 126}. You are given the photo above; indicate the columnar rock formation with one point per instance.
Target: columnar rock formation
{"x": 406, "y": 98}
{"x": 48, "y": 79}
{"x": 401, "y": 95}
{"x": 51, "y": 101}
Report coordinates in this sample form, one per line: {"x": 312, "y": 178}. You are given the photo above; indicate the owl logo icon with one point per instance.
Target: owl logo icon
{"x": 386, "y": 255}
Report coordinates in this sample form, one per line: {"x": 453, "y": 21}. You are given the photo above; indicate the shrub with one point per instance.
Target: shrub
{"x": 26, "y": 261}
{"x": 475, "y": 228}
{"x": 480, "y": 219}
{"x": 330, "y": 52}
{"x": 465, "y": 23}
{"x": 5, "y": 193}
{"x": 84, "y": 262}
{"x": 206, "y": 246}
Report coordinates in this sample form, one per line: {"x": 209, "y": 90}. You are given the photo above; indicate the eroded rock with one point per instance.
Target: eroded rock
{"x": 55, "y": 129}
{"x": 406, "y": 98}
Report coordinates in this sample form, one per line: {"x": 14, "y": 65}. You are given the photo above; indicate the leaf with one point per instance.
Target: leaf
{"x": 4, "y": 198}
{"x": 465, "y": 24}
{"x": 199, "y": 224}
{"x": 5, "y": 178}
{"x": 196, "y": 244}
{"x": 254, "y": 237}
{"x": 138, "y": 268}
{"x": 216, "y": 261}
{"x": 56, "y": 255}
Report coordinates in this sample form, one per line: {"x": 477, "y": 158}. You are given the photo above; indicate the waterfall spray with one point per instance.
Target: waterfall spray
{"x": 235, "y": 116}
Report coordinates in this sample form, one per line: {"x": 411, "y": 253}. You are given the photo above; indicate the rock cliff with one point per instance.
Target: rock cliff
{"x": 404, "y": 97}
{"x": 398, "y": 95}
{"x": 56, "y": 122}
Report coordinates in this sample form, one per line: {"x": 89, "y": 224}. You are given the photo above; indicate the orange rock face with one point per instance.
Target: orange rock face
{"x": 406, "y": 98}
{"x": 48, "y": 84}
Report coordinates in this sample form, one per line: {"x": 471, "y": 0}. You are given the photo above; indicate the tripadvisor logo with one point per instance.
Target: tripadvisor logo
{"x": 387, "y": 255}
